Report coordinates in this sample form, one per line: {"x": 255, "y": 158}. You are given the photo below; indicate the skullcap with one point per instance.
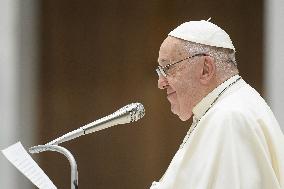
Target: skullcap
{"x": 203, "y": 32}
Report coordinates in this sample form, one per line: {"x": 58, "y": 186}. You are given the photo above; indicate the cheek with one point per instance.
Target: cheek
{"x": 186, "y": 91}
{"x": 184, "y": 83}
{"x": 183, "y": 86}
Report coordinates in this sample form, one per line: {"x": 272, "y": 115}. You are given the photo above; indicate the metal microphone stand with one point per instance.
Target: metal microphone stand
{"x": 129, "y": 113}
{"x": 66, "y": 153}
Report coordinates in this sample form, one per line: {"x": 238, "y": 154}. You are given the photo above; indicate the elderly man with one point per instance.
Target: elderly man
{"x": 234, "y": 141}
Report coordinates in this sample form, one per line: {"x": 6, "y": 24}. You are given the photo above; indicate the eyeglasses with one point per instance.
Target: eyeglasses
{"x": 163, "y": 70}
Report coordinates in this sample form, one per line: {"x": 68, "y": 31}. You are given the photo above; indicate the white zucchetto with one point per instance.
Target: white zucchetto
{"x": 203, "y": 32}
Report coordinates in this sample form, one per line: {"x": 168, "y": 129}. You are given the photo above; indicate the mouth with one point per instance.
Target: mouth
{"x": 170, "y": 93}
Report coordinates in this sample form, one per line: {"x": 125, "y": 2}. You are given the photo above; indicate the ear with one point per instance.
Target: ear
{"x": 208, "y": 70}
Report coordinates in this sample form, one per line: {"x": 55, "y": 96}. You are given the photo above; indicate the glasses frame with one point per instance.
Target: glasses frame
{"x": 162, "y": 70}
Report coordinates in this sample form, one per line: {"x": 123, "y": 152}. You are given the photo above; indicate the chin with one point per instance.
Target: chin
{"x": 174, "y": 109}
{"x": 182, "y": 116}
{"x": 185, "y": 117}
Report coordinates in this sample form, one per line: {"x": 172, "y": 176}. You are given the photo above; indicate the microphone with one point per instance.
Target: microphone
{"x": 127, "y": 114}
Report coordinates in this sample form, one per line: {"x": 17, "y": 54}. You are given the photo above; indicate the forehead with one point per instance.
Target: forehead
{"x": 171, "y": 49}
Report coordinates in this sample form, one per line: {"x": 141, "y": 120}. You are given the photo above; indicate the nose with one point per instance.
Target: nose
{"x": 162, "y": 82}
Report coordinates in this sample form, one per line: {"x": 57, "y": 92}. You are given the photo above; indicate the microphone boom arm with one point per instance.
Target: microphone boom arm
{"x": 129, "y": 113}
{"x": 98, "y": 125}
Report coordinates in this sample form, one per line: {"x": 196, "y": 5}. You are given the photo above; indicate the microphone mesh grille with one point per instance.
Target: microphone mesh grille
{"x": 137, "y": 112}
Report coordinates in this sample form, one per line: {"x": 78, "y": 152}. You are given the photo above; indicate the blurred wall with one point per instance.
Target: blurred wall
{"x": 97, "y": 56}
{"x": 274, "y": 57}
{"x": 18, "y": 76}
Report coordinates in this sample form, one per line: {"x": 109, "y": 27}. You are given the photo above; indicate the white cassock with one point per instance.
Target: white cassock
{"x": 237, "y": 144}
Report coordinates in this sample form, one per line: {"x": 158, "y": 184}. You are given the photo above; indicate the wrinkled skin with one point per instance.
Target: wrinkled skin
{"x": 183, "y": 84}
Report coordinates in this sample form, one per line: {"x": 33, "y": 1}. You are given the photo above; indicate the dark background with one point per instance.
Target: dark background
{"x": 97, "y": 56}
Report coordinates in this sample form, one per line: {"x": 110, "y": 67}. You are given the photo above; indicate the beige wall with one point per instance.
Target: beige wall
{"x": 97, "y": 56}
{"x": 18, "y": 77}
{"x": 274, "y": 57}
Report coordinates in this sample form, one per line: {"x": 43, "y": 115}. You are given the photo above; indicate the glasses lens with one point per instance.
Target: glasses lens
{"x": 161, "y": 72}
{"x": 158, "y": 72}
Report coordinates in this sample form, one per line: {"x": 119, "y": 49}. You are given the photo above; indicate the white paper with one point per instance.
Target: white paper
{"x": 20, "y": 158}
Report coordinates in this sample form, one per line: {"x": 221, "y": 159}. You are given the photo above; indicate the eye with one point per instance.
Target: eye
{"x": 167, "y": 67}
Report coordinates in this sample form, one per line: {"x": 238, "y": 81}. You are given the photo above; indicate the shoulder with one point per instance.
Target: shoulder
{"x": 228, "y": 119}
{"x": 226, "y": 112}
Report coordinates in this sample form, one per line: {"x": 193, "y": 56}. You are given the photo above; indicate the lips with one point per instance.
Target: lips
{"x": 170, "y": 93}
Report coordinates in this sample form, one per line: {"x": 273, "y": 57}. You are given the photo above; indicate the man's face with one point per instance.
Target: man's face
{"x": 181, "y": 83}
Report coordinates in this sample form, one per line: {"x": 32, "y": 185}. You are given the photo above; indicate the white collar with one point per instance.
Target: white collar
{"x": 200, "y": 109}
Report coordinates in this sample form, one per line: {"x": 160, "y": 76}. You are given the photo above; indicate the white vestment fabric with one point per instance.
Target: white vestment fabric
{"x": 237, "y": 144}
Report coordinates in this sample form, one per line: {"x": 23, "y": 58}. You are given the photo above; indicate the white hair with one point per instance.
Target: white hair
{"x": 225, "y": 60}
{"x": 220, "y": 55}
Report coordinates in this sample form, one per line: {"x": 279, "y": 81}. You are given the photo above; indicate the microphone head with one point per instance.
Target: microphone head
{"x": 135, "y": 110}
